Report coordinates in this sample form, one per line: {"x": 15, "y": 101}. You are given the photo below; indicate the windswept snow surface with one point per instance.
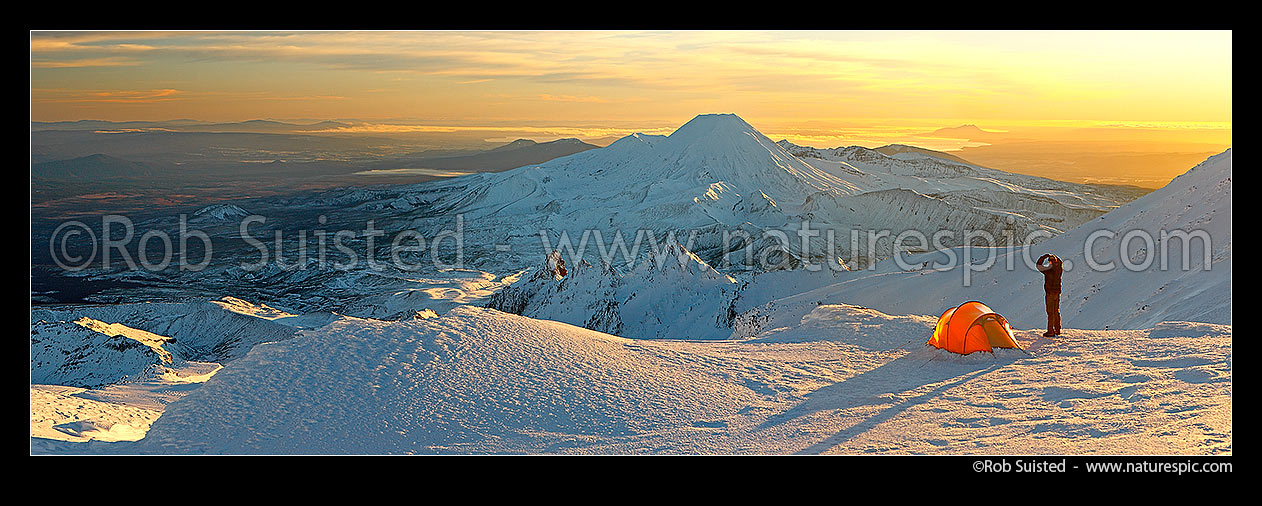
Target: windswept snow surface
{"x": 59, "y": 414}
{"x": 842, "y": 379}
{"x": 476, "y": 380}
{"x": 117, "y": 412}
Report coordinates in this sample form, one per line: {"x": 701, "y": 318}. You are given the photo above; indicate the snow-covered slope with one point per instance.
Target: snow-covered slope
{"x": 115, "y": 412}
{"x": 58, "y": 414}
{"x": 676, "y": 296}
{"x": 476, "y": 380}
{"x": 841, "y": 380}
{"x": 1197, "y": 203}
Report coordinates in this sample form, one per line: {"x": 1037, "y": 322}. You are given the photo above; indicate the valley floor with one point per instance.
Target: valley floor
{"x": 842, "y": 380}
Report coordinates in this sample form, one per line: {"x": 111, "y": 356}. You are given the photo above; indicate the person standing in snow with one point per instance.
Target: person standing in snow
{"x": 1051, "y": 289}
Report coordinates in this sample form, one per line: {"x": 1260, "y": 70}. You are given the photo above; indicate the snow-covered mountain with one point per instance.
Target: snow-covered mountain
{"x": 512, "y": 155}
{"x": 716, "y": 171}
{"x": 736, "y": 199}
{"x": 718, "y": 174}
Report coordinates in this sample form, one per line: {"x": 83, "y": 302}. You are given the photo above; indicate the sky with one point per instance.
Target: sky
{"x": 819, "y": 88}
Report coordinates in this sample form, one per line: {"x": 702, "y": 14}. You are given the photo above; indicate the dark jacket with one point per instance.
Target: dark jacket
{"x": 1051, "y": 274}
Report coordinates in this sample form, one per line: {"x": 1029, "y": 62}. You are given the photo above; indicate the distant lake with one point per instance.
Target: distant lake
{"x": 414, "y": 172}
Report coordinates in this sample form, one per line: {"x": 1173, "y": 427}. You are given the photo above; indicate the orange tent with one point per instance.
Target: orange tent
{"x": 972, "y": 327}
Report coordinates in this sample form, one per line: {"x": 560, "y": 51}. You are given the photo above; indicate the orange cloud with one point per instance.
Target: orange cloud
{"x": 111, "y": 61}
{"x": 572, "y": 98}
{"x": 107, "y": 96}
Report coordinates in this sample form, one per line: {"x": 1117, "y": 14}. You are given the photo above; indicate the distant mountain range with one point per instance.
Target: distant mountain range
{"x": 91, "y": 168}
{"x": 891, "y": 150}
{"x": 895, "y": 149}
{"x": 518, "y": 153}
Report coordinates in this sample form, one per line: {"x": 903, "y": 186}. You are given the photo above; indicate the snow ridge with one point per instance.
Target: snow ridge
{"x": 210, "y": 331}
{"x": 89, "y": 353}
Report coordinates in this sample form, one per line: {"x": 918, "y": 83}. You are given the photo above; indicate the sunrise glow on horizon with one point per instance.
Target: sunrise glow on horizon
{"x": 820, "y": 88}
